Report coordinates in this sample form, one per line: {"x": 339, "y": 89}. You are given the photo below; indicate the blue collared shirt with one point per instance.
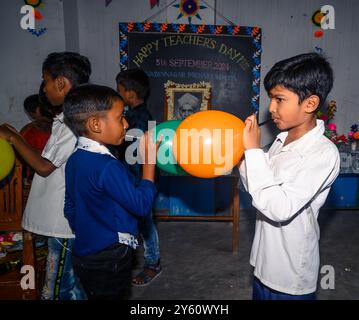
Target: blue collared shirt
{"x": 101, "y": 200}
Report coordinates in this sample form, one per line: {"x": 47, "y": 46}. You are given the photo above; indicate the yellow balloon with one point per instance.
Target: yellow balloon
{"x": 7, "y": 158}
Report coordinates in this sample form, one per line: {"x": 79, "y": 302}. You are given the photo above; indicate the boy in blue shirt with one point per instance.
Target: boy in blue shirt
{"x": 102, "y": 202}
{"x": 134, "y": 86}
{"x": 291, "y": 182}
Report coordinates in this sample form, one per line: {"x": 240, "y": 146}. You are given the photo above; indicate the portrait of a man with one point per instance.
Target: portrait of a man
{"x": 182, "y": 100}
{"x": 187, "y": 104}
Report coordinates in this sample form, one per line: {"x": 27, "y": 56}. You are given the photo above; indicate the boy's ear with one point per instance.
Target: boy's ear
{"x": 312, "y": 103}
{"x": 63, "y": 84}
{"x": 93, "y": 125}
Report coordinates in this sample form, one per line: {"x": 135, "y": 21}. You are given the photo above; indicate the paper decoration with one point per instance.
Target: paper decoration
{"x": 38, "y": 15}
{"x": 154, "y": 3}
{"x": 189, "y": 9}
{"x": 33, "y": 3}
{"x": 317, "y": 17}
{"x": 37, "y": 33}
{"x": 318, "y": 33}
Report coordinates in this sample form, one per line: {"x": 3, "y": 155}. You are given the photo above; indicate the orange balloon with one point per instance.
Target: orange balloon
{"x": 209, "y": 143}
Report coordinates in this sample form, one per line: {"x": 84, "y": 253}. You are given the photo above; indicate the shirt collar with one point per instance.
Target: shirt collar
{"x": 59, "y": 117}
{"x": 92, "y": 146}
{"x": 304, "y": 141}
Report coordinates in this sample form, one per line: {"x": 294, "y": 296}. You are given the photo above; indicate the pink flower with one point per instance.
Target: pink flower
{"x": 350, "y": 133}
{"x": 332, "y": 126}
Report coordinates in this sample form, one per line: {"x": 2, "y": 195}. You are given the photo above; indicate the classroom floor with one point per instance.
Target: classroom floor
{"x": 198, "y": 262}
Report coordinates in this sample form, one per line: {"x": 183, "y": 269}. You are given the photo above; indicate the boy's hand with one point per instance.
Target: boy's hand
{"x": 7, "y": 131}
{"x": 251, "y": 133}
{"x": 42, "y": 166}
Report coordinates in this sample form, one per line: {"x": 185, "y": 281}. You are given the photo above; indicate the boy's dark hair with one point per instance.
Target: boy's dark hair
{"x": 85, "y": 101}
{"x": 71, "y": 65}
{"x": 135, "y": 79}
{"x": 31, "y": 103}
{"x": 305, "y": 75}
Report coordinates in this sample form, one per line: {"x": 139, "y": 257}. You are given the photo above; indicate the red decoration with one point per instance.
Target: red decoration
{"x": 200, "y": 29}
{"x": 318, "y": 34}
{"x": 181, "y": 28}
{"x": 164, "y": 27}
{"x": 255, "y": 30}
{"x": 219, "y": 29}
{"x": 38, "y": 15}
{"x": 154, "y": 3}
{"x": 33, "y": 3}
{"x": 236, "y": 30}
{"x": 341, "y": 138}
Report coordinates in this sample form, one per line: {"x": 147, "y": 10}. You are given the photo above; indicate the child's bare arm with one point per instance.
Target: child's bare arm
{"x": 42, "y": 166}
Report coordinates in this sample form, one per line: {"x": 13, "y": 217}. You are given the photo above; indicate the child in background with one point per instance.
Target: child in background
{"x": 38, "y": 131}
{"x": 44, "y": 211}
{"x": 291, "y": 182}
{"x": 133, "y": 85}
{"x": 102, "y": 202}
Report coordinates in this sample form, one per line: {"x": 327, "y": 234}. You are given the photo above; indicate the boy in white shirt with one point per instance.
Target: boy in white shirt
{"x": 44, "y": 211}
{"x": 290, "y": 183}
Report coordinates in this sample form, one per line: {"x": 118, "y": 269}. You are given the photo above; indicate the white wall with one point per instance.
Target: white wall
{"x": 99, "y": 34}
{"x": 287, "y": 31}
{"x": 22, "y": 55}
{"x": 286, "y": 26}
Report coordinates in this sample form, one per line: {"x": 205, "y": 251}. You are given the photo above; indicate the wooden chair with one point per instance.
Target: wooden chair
{"x": 11, "y": 209}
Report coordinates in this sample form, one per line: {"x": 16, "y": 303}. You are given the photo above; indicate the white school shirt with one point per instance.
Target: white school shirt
{"x": 44, "y": 212}
{"x": 288, "y": 186}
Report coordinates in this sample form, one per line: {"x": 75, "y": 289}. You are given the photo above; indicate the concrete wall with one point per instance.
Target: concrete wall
{"x": 91, "y": 28}
{"x": 287, "y": 31}
{"x": 22, "y": 55}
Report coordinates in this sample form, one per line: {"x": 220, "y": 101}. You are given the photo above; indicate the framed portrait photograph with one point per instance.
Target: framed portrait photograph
{"x": 182, "y": 100}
